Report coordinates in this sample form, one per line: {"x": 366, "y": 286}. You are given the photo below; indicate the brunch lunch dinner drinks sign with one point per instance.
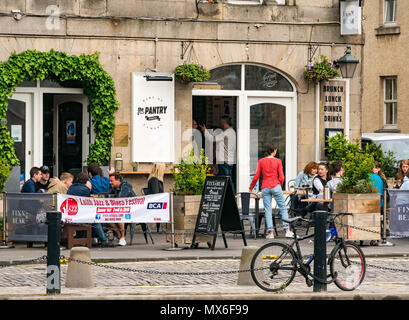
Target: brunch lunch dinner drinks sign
{"x": 153, "y": 117}
{"x": 332, "y": 110}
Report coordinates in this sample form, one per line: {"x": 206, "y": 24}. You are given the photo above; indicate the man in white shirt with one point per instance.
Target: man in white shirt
{"x": 225, "y": 145}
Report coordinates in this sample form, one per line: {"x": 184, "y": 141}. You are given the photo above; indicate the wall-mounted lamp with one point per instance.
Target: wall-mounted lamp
{"x": 119, "y": 162}
{"x": 347, "y": 64}
{"x": 158, "y": 78}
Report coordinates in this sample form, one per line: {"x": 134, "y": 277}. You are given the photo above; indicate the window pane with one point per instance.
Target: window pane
{"x": 388, "y": 89}
{"x": 16, "y": 124}
{"x": 394, "y": 89}
{"x": 390, "y": 10}
{"x": 390, "y": 112}
{"x": 228, "y": 77}
{"x": 267, "y": 124}
{"x": 259, "y": 78}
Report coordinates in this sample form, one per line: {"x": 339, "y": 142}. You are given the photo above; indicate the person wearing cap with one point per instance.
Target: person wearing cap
{"x": 44, "y": 181}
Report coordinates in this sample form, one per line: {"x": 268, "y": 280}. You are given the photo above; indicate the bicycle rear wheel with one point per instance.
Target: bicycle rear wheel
{"x": 350, "y": 266}
{"x": 274, "y": 266}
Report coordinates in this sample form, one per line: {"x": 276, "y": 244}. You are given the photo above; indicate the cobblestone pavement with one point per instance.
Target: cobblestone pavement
{"x": 31, "y": 276}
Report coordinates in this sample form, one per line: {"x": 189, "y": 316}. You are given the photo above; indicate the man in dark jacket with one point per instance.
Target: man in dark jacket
{"x": 30, "y": 185}
{"x": 120, "y": 189}
{"x": 79, "y": 188}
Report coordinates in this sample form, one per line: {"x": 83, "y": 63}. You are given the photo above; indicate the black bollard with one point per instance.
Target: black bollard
{"x": 320, "y": 250}
{"x": 53, "y": 252}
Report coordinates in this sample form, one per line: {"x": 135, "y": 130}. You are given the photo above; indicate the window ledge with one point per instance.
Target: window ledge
{"x": 388, "y": 130}
{"x": 386, "y": 30}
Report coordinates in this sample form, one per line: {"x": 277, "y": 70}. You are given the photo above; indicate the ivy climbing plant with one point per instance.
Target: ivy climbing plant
{"x": 97, "y": 84}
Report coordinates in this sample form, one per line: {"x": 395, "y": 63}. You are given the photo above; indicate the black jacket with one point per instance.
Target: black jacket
{"x": 155, "y": 186}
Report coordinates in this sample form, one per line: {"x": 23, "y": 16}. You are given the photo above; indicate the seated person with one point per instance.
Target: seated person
{"x": 337, "y": 173}
{"x": 120, "y": 189}
{"x": 44, "y": 181}
{"x": 60, "y": 185}
{"x": 80, "y": 188}
{"x": 30, "y": 185}
{"x": 304, "y": 178}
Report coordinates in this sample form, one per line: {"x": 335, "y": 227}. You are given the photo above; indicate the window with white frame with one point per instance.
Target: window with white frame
{"x": 389, "y": 11}
{"x": 390, "y": 101}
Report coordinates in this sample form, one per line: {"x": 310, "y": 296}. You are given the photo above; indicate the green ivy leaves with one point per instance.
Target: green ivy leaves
{"x": 98, "y": 86}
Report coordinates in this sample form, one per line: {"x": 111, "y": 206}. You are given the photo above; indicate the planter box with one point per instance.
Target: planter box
{"x": 185, "y": 211}
{"x": 365, "y": 208}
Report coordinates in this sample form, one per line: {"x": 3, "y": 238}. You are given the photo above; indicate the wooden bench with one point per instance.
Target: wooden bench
{"x": 69, "y": 232}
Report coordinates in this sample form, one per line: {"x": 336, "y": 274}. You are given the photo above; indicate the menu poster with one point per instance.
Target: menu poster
{"x": 218, "y": 207}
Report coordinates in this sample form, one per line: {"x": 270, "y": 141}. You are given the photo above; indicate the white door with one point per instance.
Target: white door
{"x": 269, "y": 121}
{"x": 20, "y": 124}
{"x": 71, "y": 132}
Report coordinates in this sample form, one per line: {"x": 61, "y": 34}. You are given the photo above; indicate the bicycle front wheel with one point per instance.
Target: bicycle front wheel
{"x": 273, "y": 266}
{"x": 349, "y": 265}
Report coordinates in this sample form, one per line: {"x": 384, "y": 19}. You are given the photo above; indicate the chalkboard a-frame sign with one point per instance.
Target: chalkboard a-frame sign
{"x": 218, "y": 207}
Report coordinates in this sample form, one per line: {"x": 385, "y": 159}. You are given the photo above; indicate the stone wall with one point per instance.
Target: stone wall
{"x": 276, "y": 36}
{"x": 384, "y": 54}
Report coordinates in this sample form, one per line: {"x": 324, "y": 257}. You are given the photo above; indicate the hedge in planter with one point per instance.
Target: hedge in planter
{"x": 97, "y": 83}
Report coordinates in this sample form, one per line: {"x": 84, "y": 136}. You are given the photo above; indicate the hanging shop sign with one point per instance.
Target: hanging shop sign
{"x": 332, "y": 110}
{"x": 152, "y": 117}
{"x": 351, "y": 16}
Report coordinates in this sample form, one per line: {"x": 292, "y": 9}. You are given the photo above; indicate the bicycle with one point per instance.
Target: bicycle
{"x": 275, "y": 264}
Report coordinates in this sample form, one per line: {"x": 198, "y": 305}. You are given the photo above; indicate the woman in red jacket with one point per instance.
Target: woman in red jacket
{"x": 273, "y": 178}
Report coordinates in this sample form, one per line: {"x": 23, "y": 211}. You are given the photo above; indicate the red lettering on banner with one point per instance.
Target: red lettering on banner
{"x": 113, "y": 209}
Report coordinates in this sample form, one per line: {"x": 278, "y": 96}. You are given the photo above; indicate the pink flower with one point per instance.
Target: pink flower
{"x": 310, "y": 66}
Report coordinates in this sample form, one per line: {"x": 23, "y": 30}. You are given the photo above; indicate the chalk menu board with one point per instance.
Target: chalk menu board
{"x": 218, "y": 207}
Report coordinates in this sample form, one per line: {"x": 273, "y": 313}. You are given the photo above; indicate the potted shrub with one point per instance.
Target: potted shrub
{"x": 191, "y": 72}
{"x": 189, "y": 179}
{"x": 356, "y": 193}
{"x": 321, "y": 70}
{"x": 135, "y": 165}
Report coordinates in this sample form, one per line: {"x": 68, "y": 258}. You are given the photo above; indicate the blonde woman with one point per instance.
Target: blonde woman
{"x": 155, "y": 181}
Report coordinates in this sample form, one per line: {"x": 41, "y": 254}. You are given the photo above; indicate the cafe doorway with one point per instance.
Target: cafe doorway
{"x": 66, "y": 133}
{"x": 207, "y": 112}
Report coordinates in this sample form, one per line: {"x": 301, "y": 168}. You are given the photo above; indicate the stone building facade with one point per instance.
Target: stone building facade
{"x": 386, "y": 45}
{"x": 268, "y": 40}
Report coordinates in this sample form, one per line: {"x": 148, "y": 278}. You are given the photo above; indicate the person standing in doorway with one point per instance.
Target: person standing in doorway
{"x": 225, "y": 146}
{"x": 273, "y": 178}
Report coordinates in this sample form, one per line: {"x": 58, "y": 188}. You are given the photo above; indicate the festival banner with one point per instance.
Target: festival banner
{"x": 142, "y": 209}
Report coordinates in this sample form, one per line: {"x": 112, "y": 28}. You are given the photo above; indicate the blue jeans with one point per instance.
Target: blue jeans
{"x": 278, "y": 195}
{"x": 226, "y": 170}
{"x": 99, "y": 232}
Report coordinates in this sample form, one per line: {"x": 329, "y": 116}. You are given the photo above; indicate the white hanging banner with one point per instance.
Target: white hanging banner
{"x": 153, "y": 106}
{"x": 351, "y": 15}
{"x": 142, "y": 209}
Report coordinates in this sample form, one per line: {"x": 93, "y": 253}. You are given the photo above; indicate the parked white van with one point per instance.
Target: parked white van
{"x": 398, "y": 143}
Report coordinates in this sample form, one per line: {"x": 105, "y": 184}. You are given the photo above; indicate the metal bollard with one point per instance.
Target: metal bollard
{"x": 53, "y": 252}
{"x": 320, "y": 250}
